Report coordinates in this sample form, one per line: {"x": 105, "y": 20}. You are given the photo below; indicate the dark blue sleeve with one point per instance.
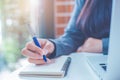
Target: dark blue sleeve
{"x": 105, "y": 43}
{"x": 72, "y": 38}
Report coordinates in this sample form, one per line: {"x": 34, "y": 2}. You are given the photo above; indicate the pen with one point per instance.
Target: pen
{"x": 36, "y": 42}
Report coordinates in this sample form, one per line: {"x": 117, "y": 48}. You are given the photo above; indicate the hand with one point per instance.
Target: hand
{"x": 35, "y": 53}
{"x": 91, "y": 45}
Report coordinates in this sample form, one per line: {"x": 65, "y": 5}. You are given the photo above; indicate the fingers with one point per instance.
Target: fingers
{"x": 38, "y": 61}
{"x": 48, "y": 47}
{"x": 31, "y": 54}
{"x": 35, "y": 54}
{"x": 32, "y": 47}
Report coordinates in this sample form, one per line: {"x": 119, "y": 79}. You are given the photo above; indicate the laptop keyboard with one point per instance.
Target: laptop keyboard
{"x": 104, "y": 66}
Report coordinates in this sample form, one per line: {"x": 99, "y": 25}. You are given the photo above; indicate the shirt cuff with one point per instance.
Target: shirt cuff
{"x": 53, "y": 54}
{"x": 105, "y": 43}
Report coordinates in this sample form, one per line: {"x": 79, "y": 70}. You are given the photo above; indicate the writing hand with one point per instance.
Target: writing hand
{"x": 34, "y": 53}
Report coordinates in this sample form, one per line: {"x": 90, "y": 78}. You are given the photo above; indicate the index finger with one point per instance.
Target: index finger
{"x": 32, "y": 47}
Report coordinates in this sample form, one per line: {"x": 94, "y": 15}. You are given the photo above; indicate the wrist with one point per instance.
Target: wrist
{"x": 52, "y": 48}
{"x": 52, "y": 54}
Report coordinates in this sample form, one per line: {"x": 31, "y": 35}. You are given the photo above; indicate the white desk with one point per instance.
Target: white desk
{"x": 78, "y": 70}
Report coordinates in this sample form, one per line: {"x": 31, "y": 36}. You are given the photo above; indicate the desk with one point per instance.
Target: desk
{"x": 78, "y": 70}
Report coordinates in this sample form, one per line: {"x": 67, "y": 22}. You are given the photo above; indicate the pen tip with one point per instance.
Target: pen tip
{"x": 44, "y": 57}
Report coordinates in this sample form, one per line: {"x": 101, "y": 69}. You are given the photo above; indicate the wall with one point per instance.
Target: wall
{"x": 62, "y": 13}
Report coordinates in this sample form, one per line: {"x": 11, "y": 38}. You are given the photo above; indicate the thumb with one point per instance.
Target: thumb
{"x": 48, "y": 48}
{"x": 45, "y": 51}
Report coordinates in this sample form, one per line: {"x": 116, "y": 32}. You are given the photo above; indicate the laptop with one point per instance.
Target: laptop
{"x": 98, "y": 63}
{"x": 108, "y": 67}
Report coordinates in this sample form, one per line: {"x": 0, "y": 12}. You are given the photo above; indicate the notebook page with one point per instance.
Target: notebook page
{"x": 55, "y": 66}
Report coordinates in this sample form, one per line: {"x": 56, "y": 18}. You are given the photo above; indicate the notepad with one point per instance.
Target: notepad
{"x": 58, "y": 68}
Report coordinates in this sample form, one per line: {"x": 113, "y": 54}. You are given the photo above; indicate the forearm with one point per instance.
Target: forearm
{"x": 66, "y": 45}
{"x": 72, "y": 38}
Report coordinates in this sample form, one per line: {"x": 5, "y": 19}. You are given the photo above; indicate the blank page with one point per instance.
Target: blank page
{"x": 54, "y": 67}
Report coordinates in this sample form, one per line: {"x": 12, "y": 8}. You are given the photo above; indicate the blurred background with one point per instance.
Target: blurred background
{"x": 47, "y": 17}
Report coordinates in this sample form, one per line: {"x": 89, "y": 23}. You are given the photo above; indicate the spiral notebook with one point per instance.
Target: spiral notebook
{"x": 58, "y": 68}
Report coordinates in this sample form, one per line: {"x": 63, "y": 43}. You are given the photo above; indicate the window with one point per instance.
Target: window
{"x": 0, "y": 33}
{"x": 14, "y": 15}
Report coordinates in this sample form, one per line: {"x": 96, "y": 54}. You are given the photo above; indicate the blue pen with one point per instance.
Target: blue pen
{"x": 36, "y": 42}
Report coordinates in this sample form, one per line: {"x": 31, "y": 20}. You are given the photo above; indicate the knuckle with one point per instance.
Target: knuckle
{"x": 38, "y": 50}
{"x": 23, "y": 51}
{"x": 35, "y": 55}
{"x": 29, "y": 60}
{"x": 28, "y": 44}
{"x": 41, "y": 62}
